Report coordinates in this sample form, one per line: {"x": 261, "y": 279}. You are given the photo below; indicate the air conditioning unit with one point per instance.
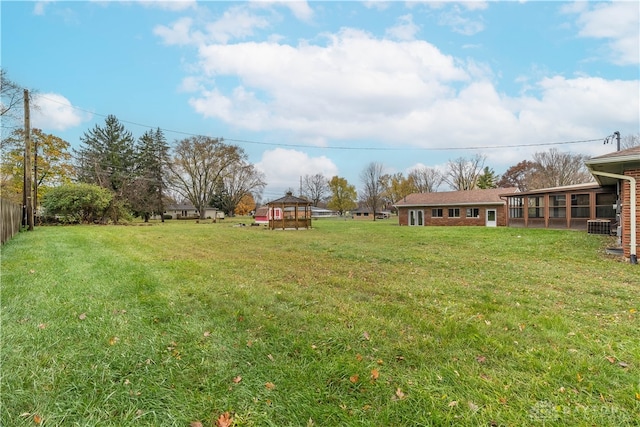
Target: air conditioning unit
{"x": 599, "y": 226}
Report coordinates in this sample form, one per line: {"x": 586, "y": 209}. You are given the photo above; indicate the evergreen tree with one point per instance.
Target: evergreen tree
{"x": 487, "y": 179}
{"x": 152, "y": 156}
{"x": 107, "y": 158}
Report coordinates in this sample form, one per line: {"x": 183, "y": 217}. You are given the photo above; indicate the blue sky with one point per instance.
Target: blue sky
{"x": 328, "y": 87}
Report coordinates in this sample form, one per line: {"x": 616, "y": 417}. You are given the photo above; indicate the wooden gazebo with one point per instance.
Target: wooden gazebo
{"x": 289, "y": 213}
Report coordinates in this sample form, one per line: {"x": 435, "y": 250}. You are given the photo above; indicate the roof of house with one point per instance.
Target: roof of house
{"x": 186, "y": 207}
{"x": 489, "y": 196}
{"x": 563, "y": 189}
{"x": 614, "y": 163}
{"x": 629, "y": 152}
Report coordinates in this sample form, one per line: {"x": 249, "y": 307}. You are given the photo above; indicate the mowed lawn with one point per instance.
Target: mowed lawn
{"x": 346, "y": 324}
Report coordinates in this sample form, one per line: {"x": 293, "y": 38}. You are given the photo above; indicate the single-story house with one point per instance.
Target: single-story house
{"x": 571, "y": 206}
{"x": 472, "y": 207}
{"x": 365, "y": 213}
{"x": 622, "y": 170}
{"x": 188, "y": 211}
{"x": 317, "y": 212}
{"x": 607, "y": 206}
{"x": 261, "y": 215}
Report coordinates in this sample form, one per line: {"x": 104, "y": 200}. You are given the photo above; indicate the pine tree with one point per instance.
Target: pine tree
{"x": 152, "y": 155}
{"x": 107, "y": 158}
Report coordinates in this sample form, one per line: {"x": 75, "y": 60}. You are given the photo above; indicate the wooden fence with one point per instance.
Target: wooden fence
{"x": 10, "y": 220}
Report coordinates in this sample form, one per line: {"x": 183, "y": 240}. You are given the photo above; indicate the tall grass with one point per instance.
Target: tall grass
{"x": 349, "y": 323}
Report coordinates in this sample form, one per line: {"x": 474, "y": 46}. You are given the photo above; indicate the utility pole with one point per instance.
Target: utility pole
{"x": 27, "y": 189}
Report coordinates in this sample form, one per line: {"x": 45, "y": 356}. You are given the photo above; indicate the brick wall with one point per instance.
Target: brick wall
{"x": 403, "y": 216}
{"x": 626, "y": 211}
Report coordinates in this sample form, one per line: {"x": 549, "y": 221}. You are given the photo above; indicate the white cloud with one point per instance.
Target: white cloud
{"x": 349, "y": 87}
{"x": 617, "y": 23}
{"x": 175, "y": 5}
{"x": 53, "y": 111}
{"x": 284, "y": 167}
{"x": 456, "y": 19}
{"x": 40, "y": 6}
{"x": 237, "y": 22}
{"x": 179, "y": 33}
{"x": 402, "y": 93}
{"x": 405, "y": 29}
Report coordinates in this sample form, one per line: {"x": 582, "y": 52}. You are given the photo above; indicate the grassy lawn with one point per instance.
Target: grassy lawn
{"x": 347, "y": 324}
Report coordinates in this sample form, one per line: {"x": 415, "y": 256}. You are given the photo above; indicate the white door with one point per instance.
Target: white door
{"x": 492, "y": 218}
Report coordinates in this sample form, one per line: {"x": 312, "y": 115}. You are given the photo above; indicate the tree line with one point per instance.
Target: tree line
{"x": 112, "y": 175}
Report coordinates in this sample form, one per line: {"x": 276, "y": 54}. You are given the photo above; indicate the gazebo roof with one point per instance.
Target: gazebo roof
{"x": 289, "y": 199}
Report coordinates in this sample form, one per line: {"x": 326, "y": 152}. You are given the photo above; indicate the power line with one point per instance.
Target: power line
{"x": 333, "y": 147}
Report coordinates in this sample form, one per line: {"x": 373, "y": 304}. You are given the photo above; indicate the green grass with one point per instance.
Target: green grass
{"x": 350, "y": 323}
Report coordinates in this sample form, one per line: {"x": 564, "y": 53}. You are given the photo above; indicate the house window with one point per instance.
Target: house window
{"x": 416, "y": 218}
{"x": 473, "y": 213}
{"x": 536, "y": 206}
{"x": 454, "y": 212}
{"x": 436, "y": 213}
{"x": 605, "y": 203}
{"x": 516, "y": 207}
{"x": 558, "y": 206}
{"x": 580, "y": 205}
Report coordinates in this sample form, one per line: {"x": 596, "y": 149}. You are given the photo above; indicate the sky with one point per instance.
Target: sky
{"x": 329, "y": 87}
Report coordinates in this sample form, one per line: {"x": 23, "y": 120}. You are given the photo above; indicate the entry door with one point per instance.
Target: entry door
{"x": 492, "y": 220}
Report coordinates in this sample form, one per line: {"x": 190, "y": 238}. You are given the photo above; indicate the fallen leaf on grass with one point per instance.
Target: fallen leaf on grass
{"x": 42, "y": 326}
{"x": 375, "y": 374}
{"x": 481, "y": 359}
{"x": 399, "y": 394}
{"x": 359, "y": 357}
{"x": 623, "y": 365}
{"x": 270, "y": 357}
{"x": 207, "y": 334}
{"x": 195, "y": 424}
{"x": 354, "y": 378}
{"x": 37, "y": 419}
{"x": 453, "y": 403}
{"x": 473, "y": 407}
{"x": 637, "y": 396}
{"x": 611, "y": 359}
{"x": 82, "y": 316}
{"x": 237, "y": 379}
{"x": 366, "y": 336}
{"x": 224, "y": 420}
{"x": 270, "y": 386}
{"x": 113, "y": 340}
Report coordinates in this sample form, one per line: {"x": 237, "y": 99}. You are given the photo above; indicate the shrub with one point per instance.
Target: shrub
{"x": 74, "y": 203}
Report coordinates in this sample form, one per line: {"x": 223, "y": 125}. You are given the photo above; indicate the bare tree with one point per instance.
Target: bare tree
{"x": 425, "y": 179}
{"x": 462, "y": 174}
{"x": 373, "y": 186}
{"x": 199, "y": 162}
{"x": 629, "y": 141}
{"x": 241, "y": 180}
{"x": 315, "y": 188}
{"x": 555, "y": 169}
{"x": 11, "y": 95}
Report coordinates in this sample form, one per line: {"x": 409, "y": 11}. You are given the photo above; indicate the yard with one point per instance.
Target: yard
{"x": 347, "y": 324}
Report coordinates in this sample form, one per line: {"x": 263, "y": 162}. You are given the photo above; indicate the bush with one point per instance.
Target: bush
{"x": 73, "y": 203}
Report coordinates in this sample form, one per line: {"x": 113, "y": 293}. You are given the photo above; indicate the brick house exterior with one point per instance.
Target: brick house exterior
{"x": 454, "y": 208}
{"x": 612, "y": 169}
{"x": 571, "y": 206}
